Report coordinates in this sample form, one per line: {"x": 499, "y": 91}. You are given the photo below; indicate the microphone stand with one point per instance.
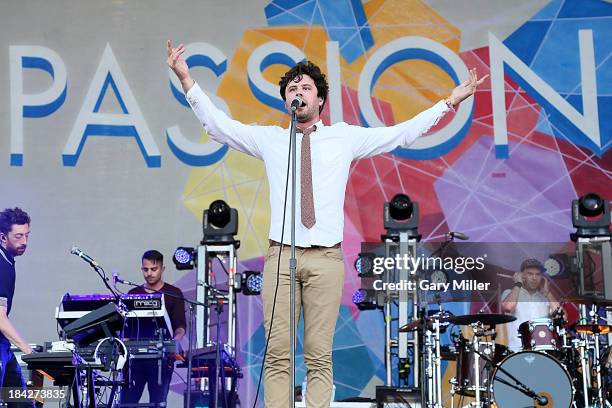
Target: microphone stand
{"x": 91, "y": 384}
{"x": 102, "y": 274}
{"x": 292, "y": 260}
{"x": 518, "y": 385}
{"x": 192, "y": 304}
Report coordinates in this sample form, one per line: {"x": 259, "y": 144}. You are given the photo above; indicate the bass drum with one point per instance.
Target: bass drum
{"x": 538, "y": 371}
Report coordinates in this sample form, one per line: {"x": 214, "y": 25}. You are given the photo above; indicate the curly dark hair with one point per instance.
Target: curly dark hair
{"x": 306, "y": 68}
{"x": 12, "y": 216}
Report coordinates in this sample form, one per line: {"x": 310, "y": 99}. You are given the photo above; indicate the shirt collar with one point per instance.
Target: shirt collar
{"x": 9, "y": 258}
{"x": 318, "y": 124}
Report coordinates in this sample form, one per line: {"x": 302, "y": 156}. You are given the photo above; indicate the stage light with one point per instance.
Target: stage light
{"x": 367, "y": 299}
{"x": 248, "y": 282}
{"x": 591, "y": 217}
{"x": 401, "y": 215}
{"x": 364, "y": 265}
{"x": 184, "y": 258}
{"x": 219, "y": 213}
{"x": 553, "y": 267}
{"x": 590, "y": 205}
{"x": 220, "y": 224}
{"x": 253, "y": 283}
{"x": 359, "y": 296}
{"x": 560, "y": 265}
{"x": 438, "y": 276}
{"x": 400, "y": 207}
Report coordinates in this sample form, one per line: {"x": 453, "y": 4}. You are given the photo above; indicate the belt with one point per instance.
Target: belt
{"x": 276, "y": 243}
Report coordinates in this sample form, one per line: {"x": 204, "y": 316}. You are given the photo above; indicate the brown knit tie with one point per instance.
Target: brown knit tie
{"x": 308, "y": 211}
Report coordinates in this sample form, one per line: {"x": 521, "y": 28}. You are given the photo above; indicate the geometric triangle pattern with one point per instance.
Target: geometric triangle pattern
{"x": 524, "y": 198}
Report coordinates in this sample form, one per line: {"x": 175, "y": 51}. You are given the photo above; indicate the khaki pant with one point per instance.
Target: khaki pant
{"x": 319, "y": 282}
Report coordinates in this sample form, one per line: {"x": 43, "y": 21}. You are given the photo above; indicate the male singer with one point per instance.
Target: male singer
{"x": 325, "y": 154}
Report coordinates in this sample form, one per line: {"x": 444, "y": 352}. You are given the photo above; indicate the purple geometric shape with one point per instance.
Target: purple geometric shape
{"x": 521, "y": 199}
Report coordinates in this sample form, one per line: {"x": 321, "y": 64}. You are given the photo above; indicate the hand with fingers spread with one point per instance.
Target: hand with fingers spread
{"x": 178, "y": 65}
{"x": 466, "y": 89}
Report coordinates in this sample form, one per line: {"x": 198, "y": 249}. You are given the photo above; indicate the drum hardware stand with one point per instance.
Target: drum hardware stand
{"x": 584, "y": 354}
{"x": 597, "y": 362}
{"x": 438, "y": 365}
{"x": 582, "y": 245}
{"x": 477, "y": 328}
{"x": 433, "y": 360}
{"x": 596, "y": 358}
{"x": 479, "y": 331}
{"x": 582, "y": 345}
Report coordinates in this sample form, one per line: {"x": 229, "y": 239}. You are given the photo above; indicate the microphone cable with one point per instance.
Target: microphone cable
{"x": 280, "y": 253}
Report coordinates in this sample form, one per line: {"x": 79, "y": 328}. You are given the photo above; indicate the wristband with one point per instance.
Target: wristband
{"x": 517, "y": 285}
{"x": 448, "y": 102}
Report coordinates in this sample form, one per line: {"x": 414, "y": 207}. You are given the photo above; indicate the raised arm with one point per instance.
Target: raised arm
{"x": 220, "y": 127}
{"x": 510, "y": 298}
{"x": 179, "y": 66}
{"x": 368, "y": 142}
{"x": 465, "y": 89}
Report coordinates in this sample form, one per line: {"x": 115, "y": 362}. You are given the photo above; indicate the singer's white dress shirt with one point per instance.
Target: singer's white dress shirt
{"x": 333, "y": 148}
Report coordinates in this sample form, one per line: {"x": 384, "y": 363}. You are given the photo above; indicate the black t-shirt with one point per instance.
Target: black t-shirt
{"x": 175, "y": 305}
{"x": 7, "y": 284}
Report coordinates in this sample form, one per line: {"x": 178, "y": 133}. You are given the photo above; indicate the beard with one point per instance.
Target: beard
{"x": 306, "y": 114}
{"x": 17, "y": 251}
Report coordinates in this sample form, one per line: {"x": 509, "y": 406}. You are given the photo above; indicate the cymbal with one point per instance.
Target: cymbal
{"x": 593, "y": 328}
{"x": 590, "y": 300}
{"x": 484, "y": 318}
{"x": 411, "y": 326}
{"x": 418, "y": 323}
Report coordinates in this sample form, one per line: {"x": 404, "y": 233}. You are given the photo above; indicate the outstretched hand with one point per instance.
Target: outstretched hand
{"x": 176, "y": 62}
{"x": 467, "y": 88}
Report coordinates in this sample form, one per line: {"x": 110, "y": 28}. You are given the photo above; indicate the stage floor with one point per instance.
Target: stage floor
{"x": 337, "y": 404}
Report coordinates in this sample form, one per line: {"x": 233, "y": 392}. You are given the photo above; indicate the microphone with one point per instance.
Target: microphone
{"x": 117, "y": 279}
{"x": 77, "y": 251}
{"x": 458, "y": 235}
{"x": 297, "y": 102}
{"x": 542, "y": 400}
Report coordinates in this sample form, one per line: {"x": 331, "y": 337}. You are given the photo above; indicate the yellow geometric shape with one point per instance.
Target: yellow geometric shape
{"x": 240, "y": 180}
{"x": 410, "y": 86}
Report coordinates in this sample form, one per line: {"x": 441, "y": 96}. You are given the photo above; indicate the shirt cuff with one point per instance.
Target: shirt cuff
{"x": 449, "y": 107}
{"x": 191, "y": 95}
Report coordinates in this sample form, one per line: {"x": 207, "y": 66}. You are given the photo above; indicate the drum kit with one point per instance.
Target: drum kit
{"x": 560, "y": 365}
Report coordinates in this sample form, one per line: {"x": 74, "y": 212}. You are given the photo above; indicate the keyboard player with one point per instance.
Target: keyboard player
{"x": 146, "y": 371}
{"x": 14, "y": 233}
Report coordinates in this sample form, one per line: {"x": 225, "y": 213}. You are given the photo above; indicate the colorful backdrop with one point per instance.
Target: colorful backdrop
{"x": 100, "y": 147}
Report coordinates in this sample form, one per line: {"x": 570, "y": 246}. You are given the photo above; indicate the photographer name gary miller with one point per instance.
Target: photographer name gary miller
{"x": 426, "y": 285}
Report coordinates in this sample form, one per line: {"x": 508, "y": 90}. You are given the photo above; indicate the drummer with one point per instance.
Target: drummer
{"x": 529, "y": 298}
